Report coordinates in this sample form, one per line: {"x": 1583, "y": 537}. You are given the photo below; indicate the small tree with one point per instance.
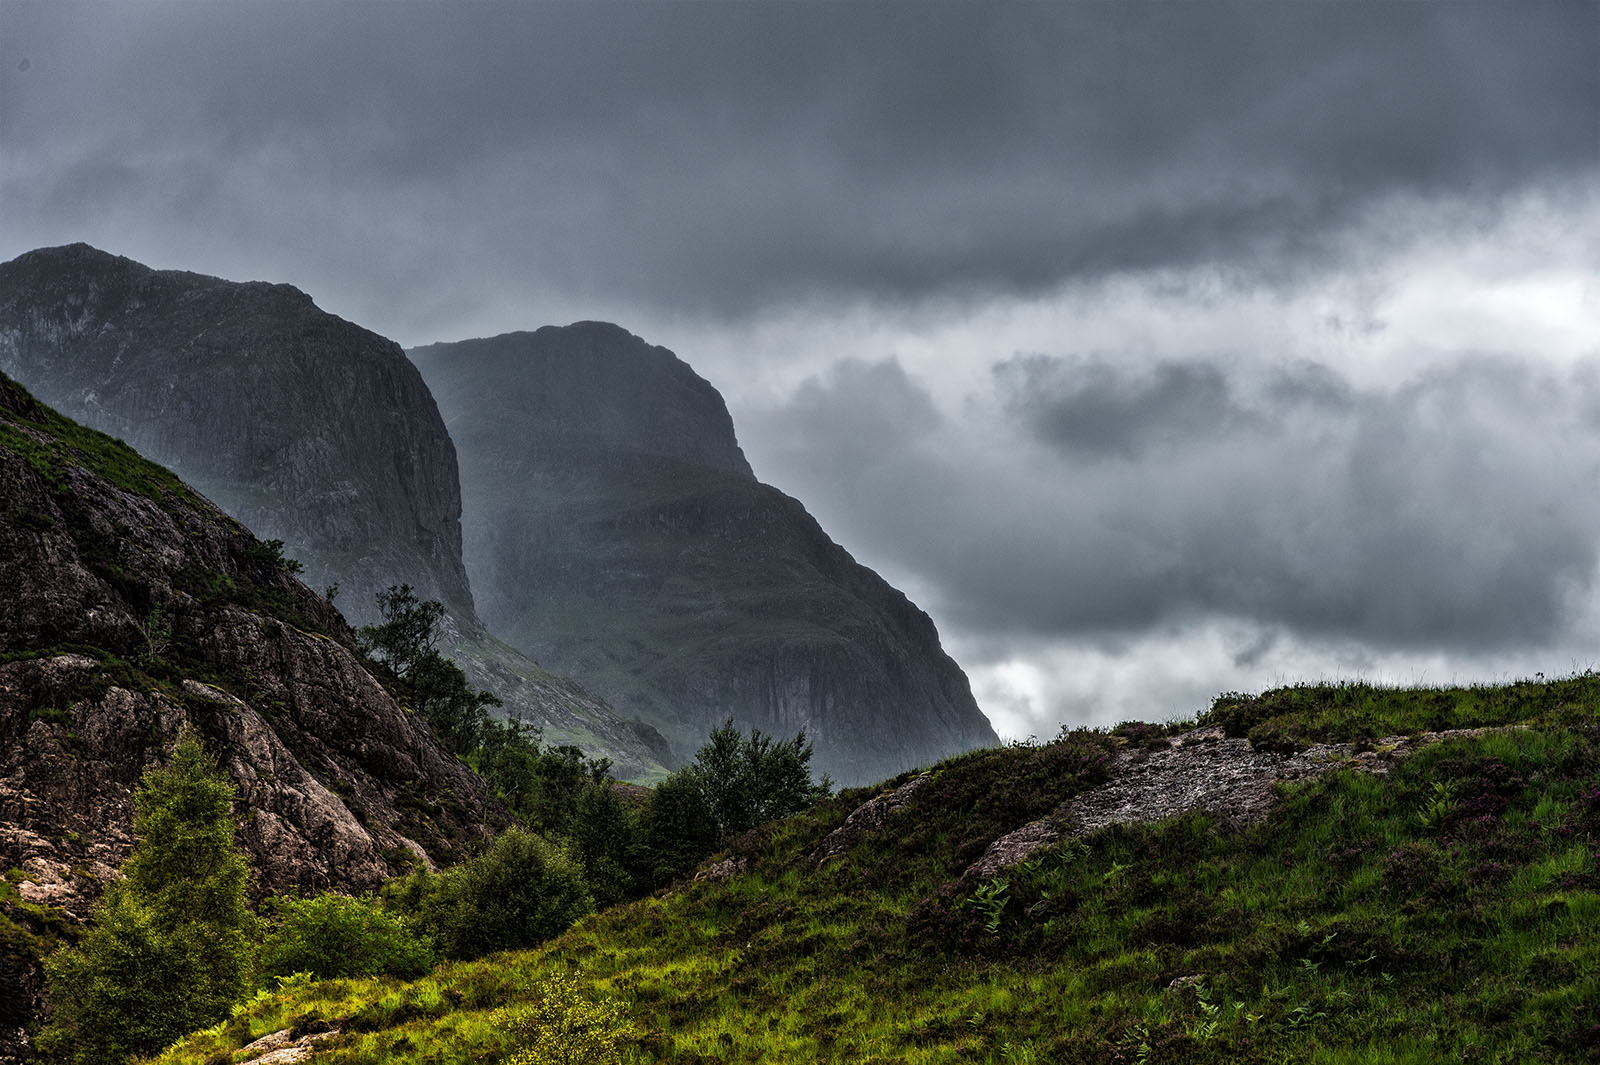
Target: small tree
{"x": 735, "y": 783}
{"x": 679, "y": 827}
{"x": 404, "y": 642}
{"x": 751, "y": 779}
{"x": 408, "y": 630}
{"x": 170, "y": 947}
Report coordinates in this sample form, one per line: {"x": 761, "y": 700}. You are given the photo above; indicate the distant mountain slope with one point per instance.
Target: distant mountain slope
{"x": 131, "y": 606}
{"x": 614, "y": 531}
{"x": 307, "y": 428}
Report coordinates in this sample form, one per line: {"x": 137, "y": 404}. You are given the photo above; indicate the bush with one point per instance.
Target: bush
{"x": 561, "y": 1027}
{"x": 520, "y": 892}
{"x": 336, "y": 936}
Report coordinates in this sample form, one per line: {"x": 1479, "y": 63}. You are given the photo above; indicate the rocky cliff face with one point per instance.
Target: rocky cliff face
{"x": 305, "y": 427}
{"x": 131, "y": 606}
{"x": 614, "y": 531}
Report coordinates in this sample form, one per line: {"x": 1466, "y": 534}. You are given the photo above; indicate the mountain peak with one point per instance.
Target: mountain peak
{"x": 597, "y": 385}
{"x": 614, "y": 531}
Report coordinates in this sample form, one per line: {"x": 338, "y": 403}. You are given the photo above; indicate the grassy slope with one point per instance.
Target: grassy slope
{"x": 1448, "y": 912}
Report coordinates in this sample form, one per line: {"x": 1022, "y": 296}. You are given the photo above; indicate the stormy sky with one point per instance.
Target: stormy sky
{"x": 1157, "y": 350}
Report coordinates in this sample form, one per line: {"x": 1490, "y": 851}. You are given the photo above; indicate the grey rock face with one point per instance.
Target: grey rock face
{"x": 133, "y": 606}
{"x": 305, "y": 427}
{"x": 614, "y": 531}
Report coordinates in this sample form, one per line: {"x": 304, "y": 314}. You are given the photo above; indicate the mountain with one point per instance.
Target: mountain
{"x": 303, "y": 426}
{"x": 133, "y": 606}
{"x": 306, "y": 428}
{"x": 614, "y": 531}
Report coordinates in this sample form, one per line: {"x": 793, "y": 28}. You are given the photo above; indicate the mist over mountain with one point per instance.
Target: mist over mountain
{"x": 303, "y": 426}
{"x": 613, "y": 530}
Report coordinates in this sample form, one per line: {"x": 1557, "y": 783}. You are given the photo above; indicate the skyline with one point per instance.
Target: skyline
{"x": 1155, "y": 351}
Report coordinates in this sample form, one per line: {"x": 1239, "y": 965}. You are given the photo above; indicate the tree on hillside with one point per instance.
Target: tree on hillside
{"x": 751, "y": 779}
{"x": 404, "y": 641}
{"x": 408, "y": 631}
{"x": 170, "y": 946}
{"x": 735, "y": 783}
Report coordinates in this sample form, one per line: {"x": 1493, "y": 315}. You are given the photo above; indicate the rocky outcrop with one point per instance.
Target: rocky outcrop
{"x": 132, "y": 606}
{"x": 614, "y": 532}
{"x": 305, "y": 427}
{"x": 1200, "y": 771}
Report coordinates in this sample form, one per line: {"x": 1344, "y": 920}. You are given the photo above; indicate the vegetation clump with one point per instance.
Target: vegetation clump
{"x": 520, "y": 892}
{"x": 331, "y": 936}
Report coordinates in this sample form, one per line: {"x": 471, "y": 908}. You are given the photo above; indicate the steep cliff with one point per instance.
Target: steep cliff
{"x": 614, "y": 531}
{"x": 305, "y": 427}
{"x": 132, "y": 606}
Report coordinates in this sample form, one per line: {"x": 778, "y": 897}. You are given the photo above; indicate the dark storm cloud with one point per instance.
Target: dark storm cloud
{"x": 1093, "y": 408}
{"x": 1455, "y": 512}
{"x": 718, "y": 155}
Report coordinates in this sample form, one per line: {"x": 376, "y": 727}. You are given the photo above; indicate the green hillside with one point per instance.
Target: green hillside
{"x": 1443, "y": 908}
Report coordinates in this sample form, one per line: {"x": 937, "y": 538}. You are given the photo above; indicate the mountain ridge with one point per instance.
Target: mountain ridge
{"x": 308, "y": 428}
{"x": 639, "y": 553}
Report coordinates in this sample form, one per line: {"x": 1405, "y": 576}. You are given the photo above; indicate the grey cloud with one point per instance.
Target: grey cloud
{"x": 1088, "y": 407}
{"x": 720, "y": 156}
{"x": 1458, "y": 512}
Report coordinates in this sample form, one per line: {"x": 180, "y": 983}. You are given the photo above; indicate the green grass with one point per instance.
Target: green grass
{"x": 57, "y": 443}
{"x": 1449, "y": 911}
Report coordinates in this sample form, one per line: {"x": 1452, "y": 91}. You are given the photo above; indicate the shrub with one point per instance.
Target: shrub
{"x": 560, "y": 1027}
{"x": 336, "y": 936}
{"x": 520, "y": 892}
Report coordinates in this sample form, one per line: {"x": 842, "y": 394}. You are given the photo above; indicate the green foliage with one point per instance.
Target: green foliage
{"x": 408, "y": 631}
{"x": 751, "y": 779}
{"x": 186, "y": 867}
{"x": 440, "y": 693}
{"x": 520, "y": 892}
{"x": 171, "y": 945}
{"x": 270, "y": 553}
{"x": 563, "y": 1027}
{"x": 437, "y": 688}
{"x": 604, "y": 834}
{"x": 736, "y": 783}
{"x": 340, "y": 936}
{"x": 680, "y": 828}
